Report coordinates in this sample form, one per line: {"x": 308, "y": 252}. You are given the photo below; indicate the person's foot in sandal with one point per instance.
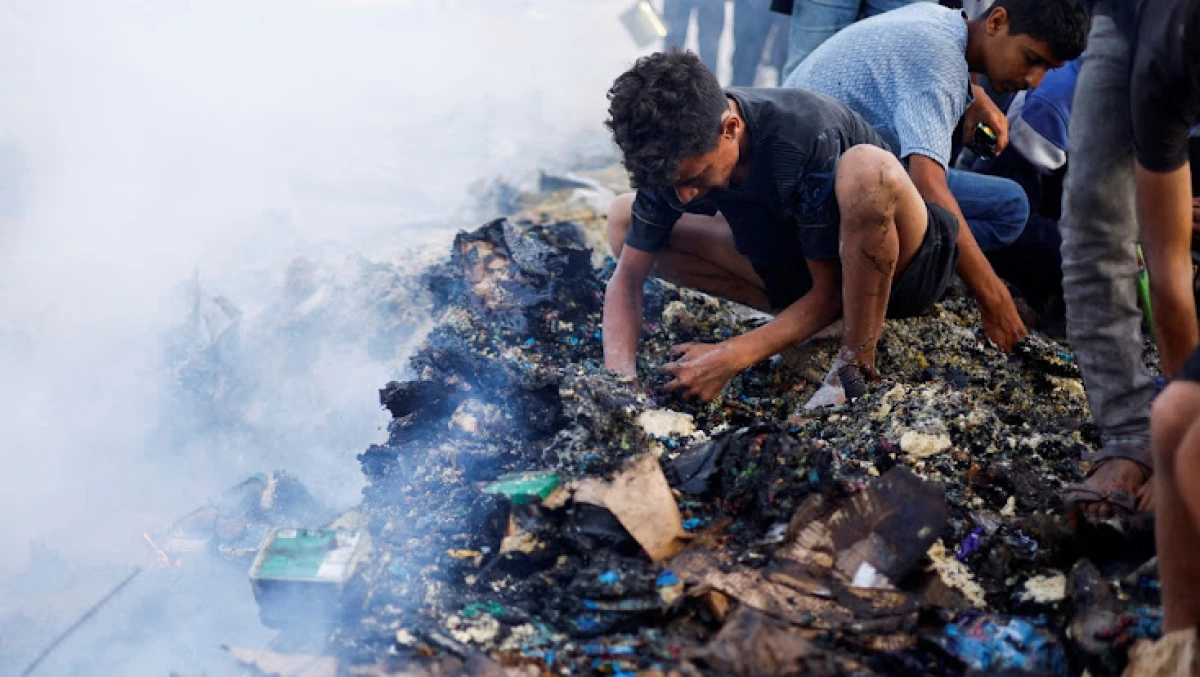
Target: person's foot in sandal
{"x": 1116, "y": 486}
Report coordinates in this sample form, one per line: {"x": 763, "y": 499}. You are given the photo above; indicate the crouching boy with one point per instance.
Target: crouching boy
{"x": 783, "y": 200}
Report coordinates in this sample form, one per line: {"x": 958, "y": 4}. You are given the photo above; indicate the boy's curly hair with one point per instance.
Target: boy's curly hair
{"x": 666, "y": 108}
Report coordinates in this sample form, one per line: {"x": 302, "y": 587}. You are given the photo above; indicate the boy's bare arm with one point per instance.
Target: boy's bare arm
{"x": 622, "y": 324}
{"x": 1001, "y": 322}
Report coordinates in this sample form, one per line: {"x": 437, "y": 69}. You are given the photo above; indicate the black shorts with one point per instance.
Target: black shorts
{"x": 1191, "y": 368}
{"x": 920, "y": 285}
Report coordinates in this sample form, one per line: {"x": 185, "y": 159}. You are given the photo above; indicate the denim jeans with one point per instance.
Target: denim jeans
{"x": 1099, "y": 251}
{"x": 813, "y": 21}
{"x": 710, "y": 22}
{"x": 996, "y": 208}
{"x": 754, "y": 24}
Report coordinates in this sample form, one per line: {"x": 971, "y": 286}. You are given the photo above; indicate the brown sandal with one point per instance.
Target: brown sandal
{"x": 1078, "y": 494}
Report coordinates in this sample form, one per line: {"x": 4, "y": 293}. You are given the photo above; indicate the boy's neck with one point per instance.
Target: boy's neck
{"x": 976, "y": 34}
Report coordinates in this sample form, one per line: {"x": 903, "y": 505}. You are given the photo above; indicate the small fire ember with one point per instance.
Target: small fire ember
{"x": 164, "y": 560}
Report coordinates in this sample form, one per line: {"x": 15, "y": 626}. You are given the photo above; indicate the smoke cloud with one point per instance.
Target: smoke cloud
{"x": 243, "y": 187}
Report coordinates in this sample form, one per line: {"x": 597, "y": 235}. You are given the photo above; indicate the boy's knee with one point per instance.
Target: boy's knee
{"x": 869, "y": 181}
{"x": 1171, "y": 415}
{"x": 620, "y": 217}
{"x": 1013, "y": 216}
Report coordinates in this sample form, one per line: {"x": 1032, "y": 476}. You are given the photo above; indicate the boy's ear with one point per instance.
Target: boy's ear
{"x": 731, "y": 126}
{"x": 997, "y": 20}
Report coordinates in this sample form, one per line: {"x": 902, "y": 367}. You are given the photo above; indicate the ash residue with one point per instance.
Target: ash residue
{"x": 796, "y": 538}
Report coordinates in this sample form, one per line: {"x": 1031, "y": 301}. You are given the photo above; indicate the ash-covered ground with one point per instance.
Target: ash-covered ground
{"x": 917, "y": 530}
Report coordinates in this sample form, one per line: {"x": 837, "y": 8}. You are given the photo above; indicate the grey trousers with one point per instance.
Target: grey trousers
{"x": 1099, "y": 250}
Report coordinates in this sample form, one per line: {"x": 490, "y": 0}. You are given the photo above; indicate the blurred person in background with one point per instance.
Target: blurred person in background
{"x": 758, "y": 34}
{"x": 710, "y": 23}
{"x": 815, "y": 21}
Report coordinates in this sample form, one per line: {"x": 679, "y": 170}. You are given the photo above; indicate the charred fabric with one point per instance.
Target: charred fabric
{"x": 531, "y": 513}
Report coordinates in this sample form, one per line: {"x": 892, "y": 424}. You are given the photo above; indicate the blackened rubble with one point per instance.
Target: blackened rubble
{"x": 866, "y": 539}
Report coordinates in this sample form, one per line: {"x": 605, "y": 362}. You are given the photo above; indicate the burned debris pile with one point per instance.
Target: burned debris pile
{"x": 532, "y": 513}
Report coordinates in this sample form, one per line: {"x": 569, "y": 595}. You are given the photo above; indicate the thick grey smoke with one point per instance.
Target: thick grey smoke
{"x": 171, "y": 168}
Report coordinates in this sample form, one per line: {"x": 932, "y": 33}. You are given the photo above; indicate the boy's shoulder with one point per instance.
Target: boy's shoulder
{"x": 762, "y": 105}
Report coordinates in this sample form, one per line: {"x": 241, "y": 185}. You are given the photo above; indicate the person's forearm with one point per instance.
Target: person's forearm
{"x": 798, "y": 322}
{"x": 973, "y": 267}
{"x": 1165, "y": 207}
{"x": 1174, "y": 315}
{"x": 622, "y": 325}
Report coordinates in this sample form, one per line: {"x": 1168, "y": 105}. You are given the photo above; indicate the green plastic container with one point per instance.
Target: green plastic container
{"x": 526, "y": 487}
{"x": 300, "y": 576}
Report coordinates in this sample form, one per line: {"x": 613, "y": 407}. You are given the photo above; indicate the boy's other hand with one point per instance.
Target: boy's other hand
{"x": 986, "y": 111}
{"x": 1001, "y": 321}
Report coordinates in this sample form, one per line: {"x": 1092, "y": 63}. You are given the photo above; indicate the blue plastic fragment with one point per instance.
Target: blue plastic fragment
{"x": 693, "y": 523}
{"x": 1148, "y": 623}
{"x": 587, "y": 622}
{"x": 969, "y": 545}
{"x": 608, "y": 650}
{"x": 530, "y": 341}
{"x": 996, "y": 643}
{"x": 610, "y": 577}
{"x": 1027, "y": 544}
{"x": 667, "y": 578}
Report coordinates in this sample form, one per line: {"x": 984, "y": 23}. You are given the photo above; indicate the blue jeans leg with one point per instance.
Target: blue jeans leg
{"x": 813, "y": 22}
{"x": 752, "y": 21}
{"x": 710, "y": 23}
{"x": 676, "y": 14}
{"x": 996, "y": 208}
{"x": 873, "y": 7}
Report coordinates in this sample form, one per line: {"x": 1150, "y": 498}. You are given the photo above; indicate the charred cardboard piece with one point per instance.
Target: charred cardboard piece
{"x": 641, "y": 500}
{"x": 813, "y": 607}
{"x": 752, "y": 643}
{"x": 884, "y": 531}
{"x": 817, "y": 580}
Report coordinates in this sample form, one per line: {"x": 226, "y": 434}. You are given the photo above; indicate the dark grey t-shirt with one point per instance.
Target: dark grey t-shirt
{"x": 1164, "y": 89}
{"x": 786, "y": 211}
